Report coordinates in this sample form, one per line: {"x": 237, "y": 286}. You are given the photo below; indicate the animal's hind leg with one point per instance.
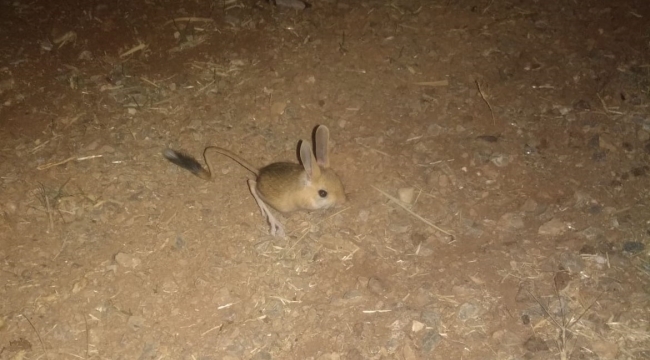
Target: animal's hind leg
{"x": 276, "y": 226}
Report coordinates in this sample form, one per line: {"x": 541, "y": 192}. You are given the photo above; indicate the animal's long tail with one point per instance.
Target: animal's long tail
{"x": 187, "y": 162}
{"x": 190, "y": 163}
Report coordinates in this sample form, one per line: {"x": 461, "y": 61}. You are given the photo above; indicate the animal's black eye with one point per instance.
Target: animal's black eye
{"x": 322, "y": 193}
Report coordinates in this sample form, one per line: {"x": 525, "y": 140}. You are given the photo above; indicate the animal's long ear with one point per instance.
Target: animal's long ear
{"x": 309, "y": 161}
{"x": 321, "y": 140}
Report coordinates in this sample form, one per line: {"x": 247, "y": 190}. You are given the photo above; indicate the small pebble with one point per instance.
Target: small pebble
{"x": 406, "y": 195}
{"x": 633, "y": 247}
{"x": 468, "y": 311}
{"x": 127, "y": 261}
{"x": 294, "y": 4}
{"x": 552, "y": 228}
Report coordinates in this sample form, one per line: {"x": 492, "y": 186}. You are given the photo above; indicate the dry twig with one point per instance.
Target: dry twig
{"x": 82, "y": 158}
{"x": 485, "y": 98}
{"x": 396, "y": 201}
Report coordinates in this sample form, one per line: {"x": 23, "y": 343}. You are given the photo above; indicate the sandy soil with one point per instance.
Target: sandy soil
{"x": 495, "y": 155}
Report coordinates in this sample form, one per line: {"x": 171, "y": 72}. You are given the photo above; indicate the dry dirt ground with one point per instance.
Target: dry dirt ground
{"x": 521, "y": 128}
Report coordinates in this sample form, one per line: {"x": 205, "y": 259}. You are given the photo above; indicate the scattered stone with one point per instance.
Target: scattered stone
{"x": 294, "y": 4}
{"x": 398, "y": 229}
{"x": 434, "y": 130}
{"x": 498, "y": 335}
{"x": 553, "y": 227}
{"x": 500, "y": 160}
{"x": 530, "y": 149}
{"x": 417, "y": 326}
{"x": 111, "y": 268}
{"x": 606, "y": 144}
{"x": 169, "y": 287}
{"x": 633, "y": 247}
{"x": 592, "y": 233}
{"x": 595, "y": 209}
{"x": 431, "y": 319}
{"x": 429, "y": 341}
{"x": 468, "y": 311}
{"x": 506, "y": 338}
{"x": 599, "y": 156}
{"x": 330, "y": 356}
{"x": 229, "y": 357}
{"x": 392, "y": 344}
{"x": 195, "y": 124}
{"x": 561, "y": 280}
{"x": 510, "y": 222}
{"x": 337, "y": 243}
{"x": 572, "y": 263}
{"x": 443, "y": 181}
{"x": 627, "y": 146}
{"x": 536, "y": 344}
{"x": 264, "y": 355}
{"x": 606, "y": 350}
{"x": 127, "y": 261}
{"x": 179, "y": 243}
{"x": 79, "y": 285}
{"x": 228, "y": 19}
{"x": 135, "y": 322}
{"x": 490, "y": 172}
{"x": 408, "y": 353}
{"x": 274, "y": 309}
{"x": 581, "y": 199}
{"x": 92, "y": 146}
{"x": 421, "y": 148}
{"x": 342, "y": 5}
{"x": 406, "y": 195}
{"x": 462, "y": 291}
{"x": 471, "y": 229}
{"x": 581, "y": 105}
{"x": 600, "y": 260}
{"x": 376, "y": 286}
{"x": 149, "y": 351}
{"x": 106, "y": 149}
{"x": 417, "y": 238}
{"x": 488, "y": 138}
{"x": 364, "y": 215}
{"x": 85, "y": 55}
{"x": 529, "y": 206}
{"x": 481, "y": 157}
{"x": 278, "y": 107}
{"x": 639, "y": 171}
{"x": 587, "y": 249}
{"x": 10, "y": 207}
{"x": 6, "y": 85}
{"x": 524, "y": 293}
{"x": 352, "y": 294}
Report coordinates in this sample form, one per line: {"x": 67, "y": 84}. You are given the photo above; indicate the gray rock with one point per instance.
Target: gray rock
{"x": 553, "y": 227}
{"x": 294, "y": 4}
{"x": 510, "y": 222}
{"x": 468, "y": 311}
{"x": 429, "y": 341}
{"x": 127, "y": 261}
{"x": 431, "y": 319}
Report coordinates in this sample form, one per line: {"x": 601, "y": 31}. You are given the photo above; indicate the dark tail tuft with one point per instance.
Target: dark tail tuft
{"x": 186, "y": 162}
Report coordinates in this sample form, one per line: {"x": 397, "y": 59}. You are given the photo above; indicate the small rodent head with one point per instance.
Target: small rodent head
{"x": 324, "y": 186}
{"x": 327, "y": 190}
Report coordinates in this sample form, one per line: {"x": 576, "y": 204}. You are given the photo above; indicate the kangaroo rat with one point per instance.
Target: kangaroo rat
{"x": 284, "y": 186}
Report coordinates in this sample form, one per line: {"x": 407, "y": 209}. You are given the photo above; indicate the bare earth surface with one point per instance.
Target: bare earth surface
{"x": 520, "y": 128}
